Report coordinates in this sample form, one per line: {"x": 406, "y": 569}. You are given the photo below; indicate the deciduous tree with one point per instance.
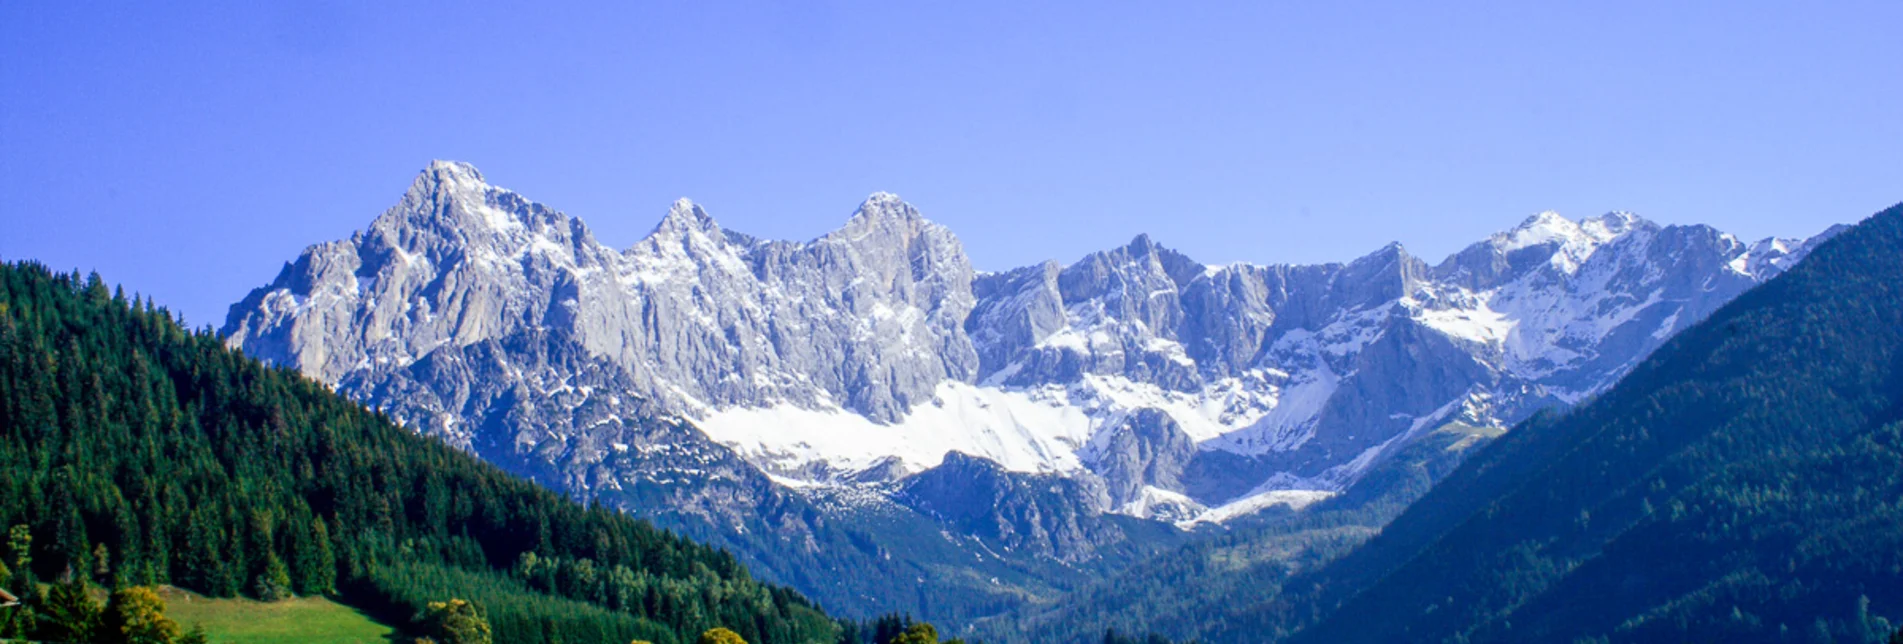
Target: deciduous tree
{"x": 136, "y": 615}
{"x": 456, "y": 622}
{"x": 720, "y": 635}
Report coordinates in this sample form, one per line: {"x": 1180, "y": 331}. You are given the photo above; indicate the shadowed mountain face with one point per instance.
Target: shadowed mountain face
{"x": 1158, "y": 387}
{"x": 1741, "y": 484}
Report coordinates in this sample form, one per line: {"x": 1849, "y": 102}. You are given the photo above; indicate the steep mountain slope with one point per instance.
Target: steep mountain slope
{"x": 1741, "y": 483}
{"x": 1185, "y": 592}
{"x": 135, "y": 452}
{"x": 878, "y": 341}
{"x": 776, "y": 392}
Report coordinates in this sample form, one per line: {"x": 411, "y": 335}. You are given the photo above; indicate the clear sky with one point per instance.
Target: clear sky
{"x": 188, "y": 149}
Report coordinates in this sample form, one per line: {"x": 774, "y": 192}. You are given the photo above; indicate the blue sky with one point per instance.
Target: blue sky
{"x": 188, "y": 149}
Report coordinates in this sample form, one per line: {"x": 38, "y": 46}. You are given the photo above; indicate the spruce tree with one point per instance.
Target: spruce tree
{"x": 316, "y": 562}
{"x": 274, "y": 581}
{"x": 67, "y": 613}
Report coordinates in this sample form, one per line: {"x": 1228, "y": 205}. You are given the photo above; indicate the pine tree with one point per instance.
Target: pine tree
{"x": 316, "y": 562}
{"x": 67, "y": 613}
{"x": 274, "y": 581}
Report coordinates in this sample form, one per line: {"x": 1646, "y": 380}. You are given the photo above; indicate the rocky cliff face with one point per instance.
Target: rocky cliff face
{"x": 869, "y": 317}
{"x": 1045, "y": 515}
{"x": 699, "y": 361}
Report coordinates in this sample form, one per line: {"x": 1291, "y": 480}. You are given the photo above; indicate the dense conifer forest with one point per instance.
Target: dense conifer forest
{"x": 134, "y": 452}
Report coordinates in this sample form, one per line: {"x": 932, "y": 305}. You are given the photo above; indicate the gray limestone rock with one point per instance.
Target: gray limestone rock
{"x": 472, "y": 313}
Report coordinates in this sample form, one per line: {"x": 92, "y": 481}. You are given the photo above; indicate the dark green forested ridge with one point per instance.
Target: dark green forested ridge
{"x": 135, "y": 452}
{"x": 1745, "y": 483}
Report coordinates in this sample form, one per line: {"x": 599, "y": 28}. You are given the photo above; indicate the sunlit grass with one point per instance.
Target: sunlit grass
{"x": 244, "y": 621}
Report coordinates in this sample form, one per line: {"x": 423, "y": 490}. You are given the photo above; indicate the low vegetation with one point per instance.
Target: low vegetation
{"x": 239, "y": 620}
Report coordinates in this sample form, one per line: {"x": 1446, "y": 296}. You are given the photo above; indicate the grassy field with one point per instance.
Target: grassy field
{"x": 243, "y": 621}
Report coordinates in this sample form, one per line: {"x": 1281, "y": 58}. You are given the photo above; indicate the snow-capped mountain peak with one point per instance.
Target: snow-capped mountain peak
{"x": 1606, "y": 227}
{"x": 1546, "y": 227}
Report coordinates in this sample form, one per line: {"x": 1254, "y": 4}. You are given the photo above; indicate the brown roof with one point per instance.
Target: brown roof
{"x": 7, "y": 598}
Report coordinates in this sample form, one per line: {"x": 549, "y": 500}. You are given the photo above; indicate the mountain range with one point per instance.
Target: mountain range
{"x": 861, "y": 394}
{"x": 1740, "y": 484}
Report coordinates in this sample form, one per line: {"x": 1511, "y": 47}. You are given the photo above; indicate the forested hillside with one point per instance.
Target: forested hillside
{"x": 1744, "y": 483}
{"x": 135, "y": 452}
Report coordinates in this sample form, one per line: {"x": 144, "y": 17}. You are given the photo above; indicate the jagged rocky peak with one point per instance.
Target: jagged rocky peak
{"x": 685, "y": 233}
{"x": 451, "y": 220}
{"x": 1392, "y": 256}
{"x": 451, "y": 196}
{"x": 889, "y": 250}
{"x": 452, "y": 213}
{"x": 454, "y": 262}
{"x": 885, "y": 222}
{"x": 885, "y": 205}
{"x": 685, "y": 216}
{"x": 442, "y": 172}
{"x": 1379, "y": 277}
{"x": 1126, "y": 271}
